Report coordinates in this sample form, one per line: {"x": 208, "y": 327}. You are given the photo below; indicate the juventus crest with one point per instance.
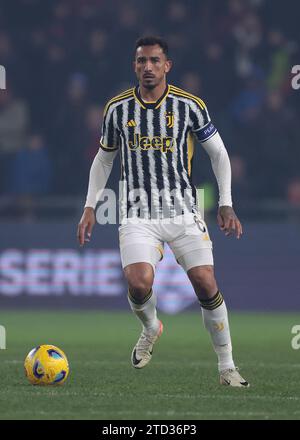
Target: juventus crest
{"x": 170, "y": 119}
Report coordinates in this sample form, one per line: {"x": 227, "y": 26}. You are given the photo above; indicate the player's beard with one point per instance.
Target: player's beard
{"x": 149, "y": 86}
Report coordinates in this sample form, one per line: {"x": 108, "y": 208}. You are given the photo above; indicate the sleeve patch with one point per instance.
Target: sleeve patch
{"x": 204, "y": 133}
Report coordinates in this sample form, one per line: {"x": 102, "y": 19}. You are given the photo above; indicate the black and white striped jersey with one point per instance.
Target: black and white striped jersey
{"x": 156, "y": 144}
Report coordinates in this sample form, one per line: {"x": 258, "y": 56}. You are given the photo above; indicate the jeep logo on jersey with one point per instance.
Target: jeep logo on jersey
{"x": 161, "y": 143}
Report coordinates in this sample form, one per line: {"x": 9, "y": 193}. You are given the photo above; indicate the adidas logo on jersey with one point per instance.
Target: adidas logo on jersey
{"x": 131, "y": 123}
{"x": 156, "y": 143}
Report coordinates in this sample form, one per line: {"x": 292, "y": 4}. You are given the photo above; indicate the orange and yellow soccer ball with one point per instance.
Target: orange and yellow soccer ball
{"x": 46, "y": 365}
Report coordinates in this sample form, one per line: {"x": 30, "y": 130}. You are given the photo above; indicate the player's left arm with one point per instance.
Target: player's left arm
{"x": 212, "y": 142}
{"x": 227, "y": 219}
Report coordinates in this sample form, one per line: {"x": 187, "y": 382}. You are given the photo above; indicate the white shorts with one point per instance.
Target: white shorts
{"x": 187, "y": 236}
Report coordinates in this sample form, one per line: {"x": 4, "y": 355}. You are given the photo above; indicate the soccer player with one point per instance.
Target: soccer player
{"x": 152, "y": 126}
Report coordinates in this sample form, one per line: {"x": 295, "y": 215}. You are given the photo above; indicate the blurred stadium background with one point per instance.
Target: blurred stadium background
{"x": 63, "y": 61}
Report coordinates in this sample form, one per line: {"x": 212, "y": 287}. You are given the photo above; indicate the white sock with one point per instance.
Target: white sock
{"x": 215, "y": 318}
{"x": 146, "y": 313}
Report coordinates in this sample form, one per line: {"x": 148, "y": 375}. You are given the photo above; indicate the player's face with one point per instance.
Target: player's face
{"x": 151, "y": 65}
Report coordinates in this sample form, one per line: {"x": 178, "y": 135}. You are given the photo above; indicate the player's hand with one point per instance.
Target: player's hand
{"x": 85, "y": 226}
{"x": 228, "y": 221}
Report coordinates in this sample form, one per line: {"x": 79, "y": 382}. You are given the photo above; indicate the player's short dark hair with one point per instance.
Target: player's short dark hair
{"x": 152, "y": 41}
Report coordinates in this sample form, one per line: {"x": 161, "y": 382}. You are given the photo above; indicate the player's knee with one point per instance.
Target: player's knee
{"x": 203, "y": 280}
{"x": 139, "y": 283}
{"x": 139, "y": 289}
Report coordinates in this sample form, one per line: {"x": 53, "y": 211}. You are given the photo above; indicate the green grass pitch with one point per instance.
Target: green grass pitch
{"x": 181, "y": 382}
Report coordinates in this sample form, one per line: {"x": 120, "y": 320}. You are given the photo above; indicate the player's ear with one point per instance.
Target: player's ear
{"x": 134, "y": 65}
{"x": 168, "y": 66}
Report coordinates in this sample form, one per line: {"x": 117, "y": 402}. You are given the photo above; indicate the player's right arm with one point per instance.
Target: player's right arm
{"x": 99, "y": 174}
